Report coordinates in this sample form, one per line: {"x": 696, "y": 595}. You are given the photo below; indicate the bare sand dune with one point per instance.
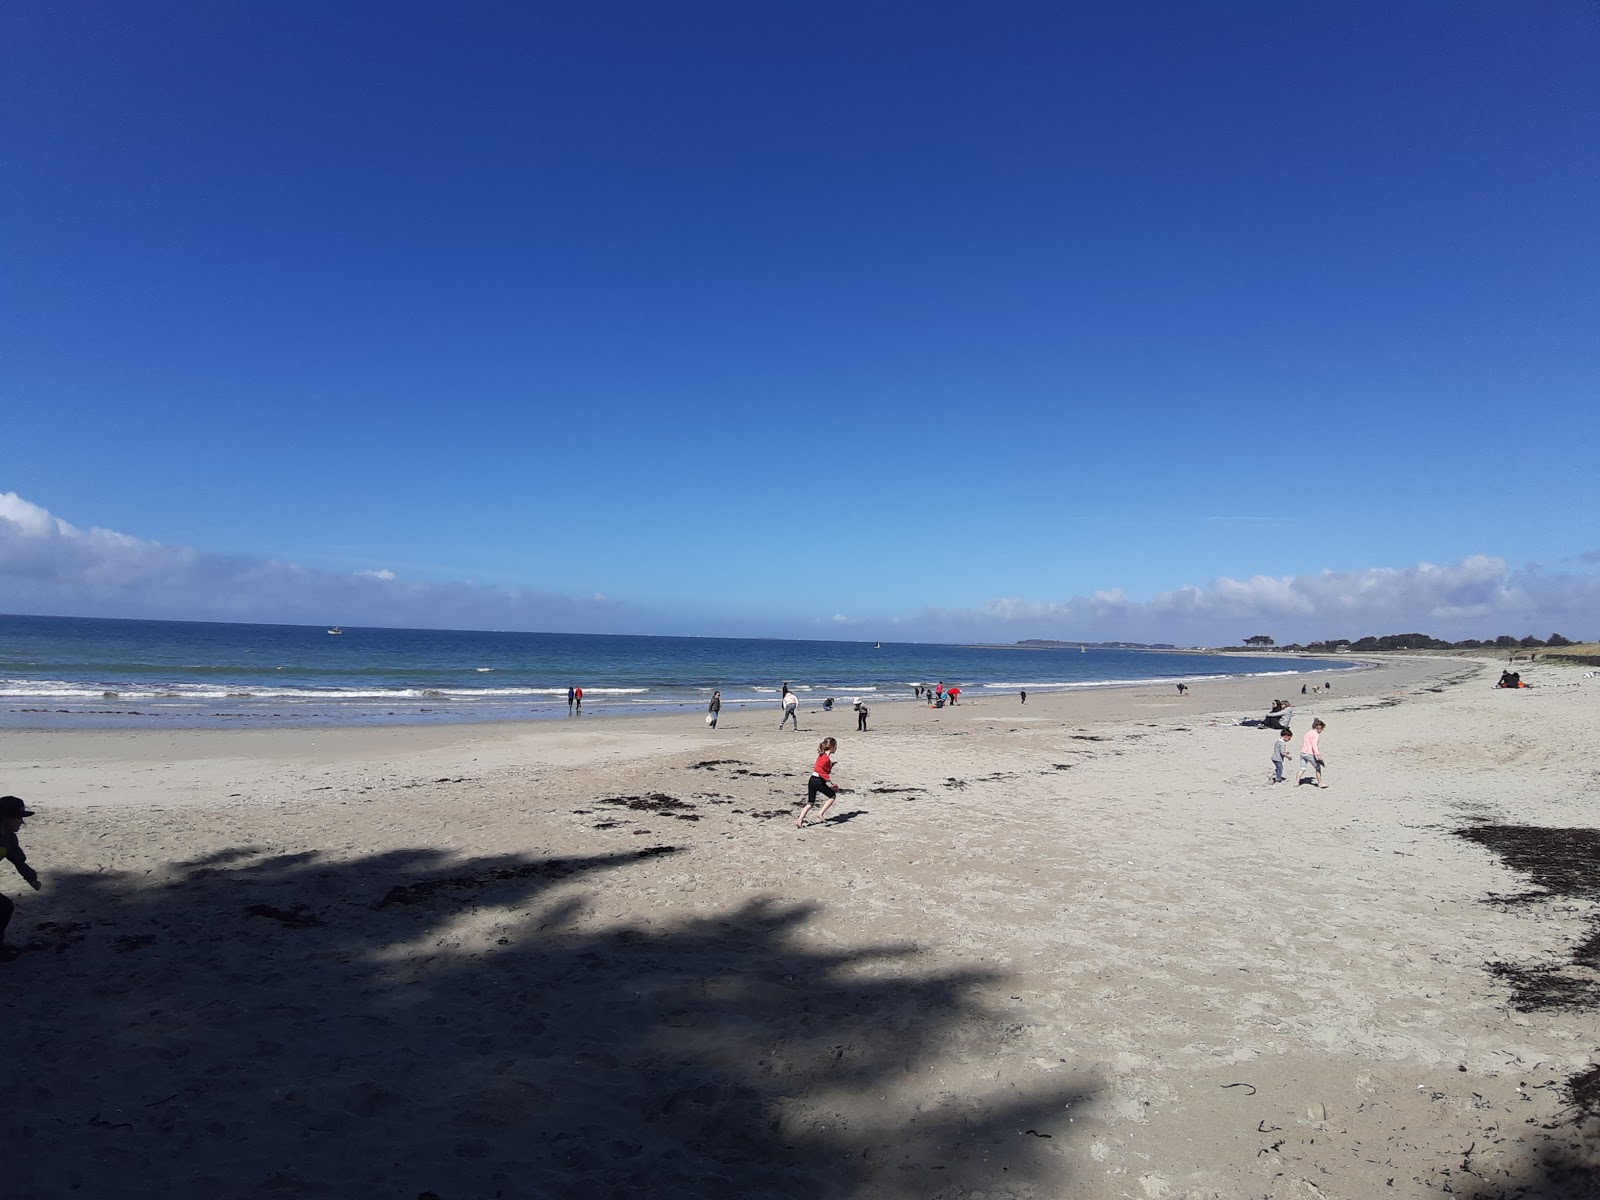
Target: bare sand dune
{"x": 1080, "y": 948}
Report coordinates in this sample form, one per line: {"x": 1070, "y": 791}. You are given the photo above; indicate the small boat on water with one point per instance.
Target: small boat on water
{"x": 335, "y": 631}
{"x": 877, "y": 645}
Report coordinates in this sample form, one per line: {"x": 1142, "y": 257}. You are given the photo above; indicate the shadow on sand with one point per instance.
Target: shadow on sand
{"x": 398, "y": 1025}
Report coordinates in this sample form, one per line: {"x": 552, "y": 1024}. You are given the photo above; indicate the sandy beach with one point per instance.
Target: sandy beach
{"x": 1074, "y": 948}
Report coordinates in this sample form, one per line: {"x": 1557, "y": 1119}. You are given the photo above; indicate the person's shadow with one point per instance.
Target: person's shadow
{"x": 400, "y": 1025}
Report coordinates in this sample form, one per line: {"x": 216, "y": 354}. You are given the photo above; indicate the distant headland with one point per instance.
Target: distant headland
{"x": 1047, "y": 644}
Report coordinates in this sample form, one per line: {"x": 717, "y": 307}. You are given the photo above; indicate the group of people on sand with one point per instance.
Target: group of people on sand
{"x": 790, "y": 704}
{"x": 938, "y": 694}
{"x": 1280, "y": 717}
{"x": 821, "y": 781}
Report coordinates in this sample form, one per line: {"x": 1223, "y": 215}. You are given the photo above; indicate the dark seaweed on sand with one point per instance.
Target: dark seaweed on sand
{"x": 1583, "y": 1092}
{"x": 552, "y": 868}
{"x": 297, "y": 917}
{"x": 655, "y": 802}
{"x": 1562, "y": 864}
{"x": 1565, "y": 864}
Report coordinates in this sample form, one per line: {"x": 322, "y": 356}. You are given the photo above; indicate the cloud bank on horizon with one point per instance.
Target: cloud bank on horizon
{"x": 50, "y": 566}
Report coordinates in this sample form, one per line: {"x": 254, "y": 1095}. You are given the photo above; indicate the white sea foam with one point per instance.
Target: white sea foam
{"x": 42, "y": 689}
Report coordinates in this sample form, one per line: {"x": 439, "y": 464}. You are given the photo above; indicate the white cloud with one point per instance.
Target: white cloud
{"x": 48, "y": 565}
{"x": 1477, "y": 597}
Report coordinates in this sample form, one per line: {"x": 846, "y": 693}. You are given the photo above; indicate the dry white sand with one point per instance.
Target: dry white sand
{"x": 1077, "y": 949}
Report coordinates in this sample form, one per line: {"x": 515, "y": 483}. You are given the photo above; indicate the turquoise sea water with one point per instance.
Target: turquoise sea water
{"x": 68, "y": 672}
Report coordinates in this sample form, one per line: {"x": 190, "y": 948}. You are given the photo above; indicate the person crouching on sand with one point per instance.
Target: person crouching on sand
{"x": 12, "y": 812}
{"x": 1311, "y": 754}
{"x": 791, "y": 709}
{"x": 821, "y": 781}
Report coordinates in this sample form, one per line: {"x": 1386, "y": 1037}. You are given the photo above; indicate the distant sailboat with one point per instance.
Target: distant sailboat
{"x": 877, "y": 645}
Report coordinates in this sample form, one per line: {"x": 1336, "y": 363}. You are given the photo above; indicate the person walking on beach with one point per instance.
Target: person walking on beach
{"x": 861, "y": 716}
{"x": 1280, "y": 754}
{"x": 571, "y": 696}
{"x": 1311, "y": 754}
{"x": 577, "y": 696}
{"x": 791, "y": 709}
{"x": 713, "y": 709}
{"x": 821, "y": 781}
{"x": 12, "y": 812}
{"x": 1024, "y": 695}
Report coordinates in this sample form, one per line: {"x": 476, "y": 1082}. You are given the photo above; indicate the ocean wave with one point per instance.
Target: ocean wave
{"x": 54, "y": 689}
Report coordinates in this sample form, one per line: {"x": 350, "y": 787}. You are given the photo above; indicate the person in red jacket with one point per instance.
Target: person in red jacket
{"x": 821, "y": 781}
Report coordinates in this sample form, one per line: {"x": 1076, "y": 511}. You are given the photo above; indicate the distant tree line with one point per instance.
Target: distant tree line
{"x": 1413, "y": 641}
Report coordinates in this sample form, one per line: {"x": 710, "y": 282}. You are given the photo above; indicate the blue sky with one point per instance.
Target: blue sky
{"x": 857, "y": 320}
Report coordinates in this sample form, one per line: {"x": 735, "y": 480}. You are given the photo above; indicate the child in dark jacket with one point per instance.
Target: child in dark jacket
{"x": 12, "y": 811}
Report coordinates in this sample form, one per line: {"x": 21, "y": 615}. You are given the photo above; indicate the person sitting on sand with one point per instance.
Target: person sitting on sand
{"x": 1280, "y": 716}
{"x": 821, "y": 781}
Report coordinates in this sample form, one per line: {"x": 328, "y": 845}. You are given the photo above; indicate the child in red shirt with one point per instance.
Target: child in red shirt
{"x": 821, "y": 781}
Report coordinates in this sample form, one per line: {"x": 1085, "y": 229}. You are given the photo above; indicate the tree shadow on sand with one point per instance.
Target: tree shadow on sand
{"x": 398, "y": 1024}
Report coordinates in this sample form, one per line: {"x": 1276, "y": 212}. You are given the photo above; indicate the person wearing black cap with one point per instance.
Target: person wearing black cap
{"x": 12, "y": 811}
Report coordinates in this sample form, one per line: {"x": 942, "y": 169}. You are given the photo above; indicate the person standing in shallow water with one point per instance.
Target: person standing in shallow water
{"x": 577, "y": 696}
{"x": 821, "y": 781}
{"x": 571, "y": 696}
